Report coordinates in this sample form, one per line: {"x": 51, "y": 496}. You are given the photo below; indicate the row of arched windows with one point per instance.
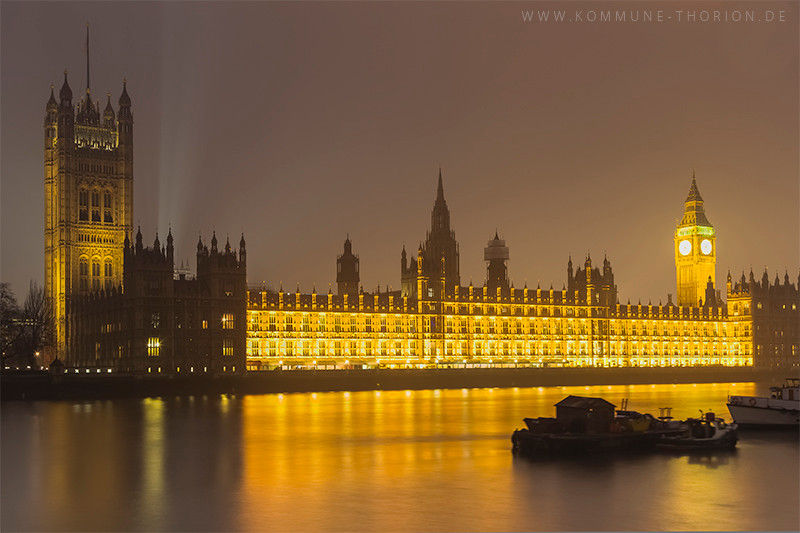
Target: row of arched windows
{"x": 90, "y": 208}
{"x": 99, "y": 278}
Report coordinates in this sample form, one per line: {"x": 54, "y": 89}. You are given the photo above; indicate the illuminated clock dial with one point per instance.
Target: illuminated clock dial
{"x": 705, "y": 246}
{"x": 685, "y": 247}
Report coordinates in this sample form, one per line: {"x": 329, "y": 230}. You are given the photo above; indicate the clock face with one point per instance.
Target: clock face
{"x": 685, "y": 247}
{"x": 705, "y": 246}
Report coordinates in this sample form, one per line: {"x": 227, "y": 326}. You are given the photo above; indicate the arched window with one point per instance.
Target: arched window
{"x": 96, "y": 275}
{"x": 83, "y": 271}
{"x": 95, "y": 206}
{"x": 83, "y": 204}
{"x": 108, "y": 270}
{"x": 107, "y": 206}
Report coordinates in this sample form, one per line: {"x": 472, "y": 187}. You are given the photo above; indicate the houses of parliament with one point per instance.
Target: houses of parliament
{"x": 120, "y": 305}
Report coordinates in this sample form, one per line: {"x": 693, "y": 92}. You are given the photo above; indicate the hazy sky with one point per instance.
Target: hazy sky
{"x": 298, "y": 123}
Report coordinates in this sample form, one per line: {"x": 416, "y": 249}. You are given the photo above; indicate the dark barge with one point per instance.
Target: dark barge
{"x": 586, "y": 425}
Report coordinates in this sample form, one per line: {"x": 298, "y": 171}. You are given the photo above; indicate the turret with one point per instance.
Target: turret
{"x": 710, "y": 301}
{"x": 65, "y": 94}
{"x": 242, "y": 251}
{"x": 587, "y": 267}
{"x": 570, "y": 275}
{"x": 66, "y": 115}
{"x": 108, "y": 115}
{"x": 347, "y": 270}
{"x": 125, "y": 116}
{"x": 139, "y": 245}
{"x": 496, "y": 254}
{"x": 52, "y": 105}
{"x": 50, "y": 121}
{"x": 170, "y": 248}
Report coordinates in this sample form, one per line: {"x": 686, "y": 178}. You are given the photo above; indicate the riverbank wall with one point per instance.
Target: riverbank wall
{"x": 43, "y": 386}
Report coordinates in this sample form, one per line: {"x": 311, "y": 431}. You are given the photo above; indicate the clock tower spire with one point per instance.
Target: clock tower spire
{"x": 695, "y": 250}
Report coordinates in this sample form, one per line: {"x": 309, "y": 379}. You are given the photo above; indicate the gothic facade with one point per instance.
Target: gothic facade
{"x": 118, "y": 305}
{"x": 158, "y": 322}
{"x": 88, "y": 181}
{"x": 435, "y": 321}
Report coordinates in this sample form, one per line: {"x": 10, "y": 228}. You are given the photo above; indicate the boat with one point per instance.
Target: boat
{"x": 781, "y": 409}
{"x": 585, "y": 425}
{"x": 706, "y": 433}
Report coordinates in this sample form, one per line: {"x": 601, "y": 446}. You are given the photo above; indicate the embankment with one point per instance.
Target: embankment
{"x": 42, "y": 386}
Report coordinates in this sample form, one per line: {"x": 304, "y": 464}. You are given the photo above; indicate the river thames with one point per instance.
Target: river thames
{"x": 425, "y": 460}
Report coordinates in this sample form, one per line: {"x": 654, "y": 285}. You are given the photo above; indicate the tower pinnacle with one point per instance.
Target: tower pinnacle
{"x": 440, "y": 189}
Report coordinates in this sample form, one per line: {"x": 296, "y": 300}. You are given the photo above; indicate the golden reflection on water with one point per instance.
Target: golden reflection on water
{"x": 421, "y": 460}
{"x": 424, "y": 458}
{"x": 152, "y": 461}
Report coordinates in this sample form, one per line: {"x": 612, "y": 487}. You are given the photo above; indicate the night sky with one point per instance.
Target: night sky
{"x": 298, "y": 124}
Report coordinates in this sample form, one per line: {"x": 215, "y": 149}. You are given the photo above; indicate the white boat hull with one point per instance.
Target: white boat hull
{"x": 764, "y": 415}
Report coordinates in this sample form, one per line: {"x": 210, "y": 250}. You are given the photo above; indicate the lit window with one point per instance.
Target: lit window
{"x": 227, "y": 321}
{"x": 154, "y": 346}
{"x": 205, "y": 324}
{"x": 227, "y": 346}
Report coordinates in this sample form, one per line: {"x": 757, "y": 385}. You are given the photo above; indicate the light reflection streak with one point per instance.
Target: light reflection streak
{"x": 153, "y": 445}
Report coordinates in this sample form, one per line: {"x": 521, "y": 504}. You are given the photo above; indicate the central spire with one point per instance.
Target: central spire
{"x": 440, "y": 190}
{"x": 440, "y": 217}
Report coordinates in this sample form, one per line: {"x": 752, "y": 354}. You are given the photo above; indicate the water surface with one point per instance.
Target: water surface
{"x": 433, "y": 460}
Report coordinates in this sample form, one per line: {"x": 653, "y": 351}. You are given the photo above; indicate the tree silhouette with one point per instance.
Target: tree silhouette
{"x": 26, "y": 330}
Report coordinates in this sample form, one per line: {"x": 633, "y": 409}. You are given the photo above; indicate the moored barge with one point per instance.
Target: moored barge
{"x": 585, "y": 425}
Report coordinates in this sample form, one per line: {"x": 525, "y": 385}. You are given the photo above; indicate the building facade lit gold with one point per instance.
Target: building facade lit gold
{"x": 433, "y": 321}
{"x": 88, "y": 167}
{"x": 475, "y": 329}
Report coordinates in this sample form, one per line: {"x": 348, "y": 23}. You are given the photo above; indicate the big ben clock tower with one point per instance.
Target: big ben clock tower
{"x": 695, "y": 250}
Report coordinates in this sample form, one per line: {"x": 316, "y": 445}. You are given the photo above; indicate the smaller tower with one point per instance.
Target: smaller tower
{"x": 347, "y": 270}
{"x": 496, "y": 254}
